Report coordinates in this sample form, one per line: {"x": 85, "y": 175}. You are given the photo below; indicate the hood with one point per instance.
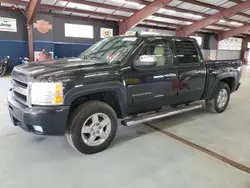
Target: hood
{"x": 58, "y": 68}
{"x": 57, "y": 64}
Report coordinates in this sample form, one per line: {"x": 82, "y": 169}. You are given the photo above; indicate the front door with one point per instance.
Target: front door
{"x": 152, "y": 88}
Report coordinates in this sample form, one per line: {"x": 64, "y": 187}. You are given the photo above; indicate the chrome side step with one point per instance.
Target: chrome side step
{"x": 162, "y": 114}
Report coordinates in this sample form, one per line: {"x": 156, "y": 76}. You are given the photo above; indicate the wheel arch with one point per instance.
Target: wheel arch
{"x": 113, "y": 94}
{"x": 229, "y": 79}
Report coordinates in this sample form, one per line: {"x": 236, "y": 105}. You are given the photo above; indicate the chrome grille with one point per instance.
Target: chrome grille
{"x": 20, "y": 87}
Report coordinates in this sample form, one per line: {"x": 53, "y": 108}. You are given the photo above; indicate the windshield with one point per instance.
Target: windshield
{"x": 111, "y": 50}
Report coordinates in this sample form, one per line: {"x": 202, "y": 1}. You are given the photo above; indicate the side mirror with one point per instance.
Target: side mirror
{"x": 146, "y": 61}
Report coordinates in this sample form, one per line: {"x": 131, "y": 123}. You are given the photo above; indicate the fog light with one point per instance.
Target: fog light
{"x": 38, "y": 128}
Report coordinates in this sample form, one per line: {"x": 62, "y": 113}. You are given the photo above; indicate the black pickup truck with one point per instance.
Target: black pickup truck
{"x": 132, "y": 79}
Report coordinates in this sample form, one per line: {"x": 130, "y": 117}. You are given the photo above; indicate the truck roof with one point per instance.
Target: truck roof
{"x": 149, "y": 36}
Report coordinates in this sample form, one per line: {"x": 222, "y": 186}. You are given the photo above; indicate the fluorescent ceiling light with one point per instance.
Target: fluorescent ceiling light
{"x": 171, "y": 11}
{"x": 151, "y": 17}
{"x": 129, "y": 2}
{"x": 193, "y": 15}
{"x": 236, "y": 23}
{"x": 85, "y": 7}
{"x": 163, "y": 9}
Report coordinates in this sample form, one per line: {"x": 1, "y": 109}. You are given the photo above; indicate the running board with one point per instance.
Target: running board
{"x": 161, "y": 114}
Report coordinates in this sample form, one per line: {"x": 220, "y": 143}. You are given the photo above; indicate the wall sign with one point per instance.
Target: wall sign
{"x": 79, "y": 31}
{"x": 8, "y": 24}
{"x": 231, "y": 43}
{"x": 106, "y": 32}
{"x": 42, "y": 26}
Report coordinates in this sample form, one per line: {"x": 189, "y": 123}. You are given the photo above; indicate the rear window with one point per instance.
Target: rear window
{"x": 186, "y": 52}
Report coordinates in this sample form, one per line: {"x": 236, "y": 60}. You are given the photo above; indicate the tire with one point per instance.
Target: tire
{"x": 213, "y": 104}
{"x": 84, "y": 124}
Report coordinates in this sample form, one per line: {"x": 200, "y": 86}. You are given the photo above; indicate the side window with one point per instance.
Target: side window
{"x": 160, "y": 49}
{"x": 186, "y": 52}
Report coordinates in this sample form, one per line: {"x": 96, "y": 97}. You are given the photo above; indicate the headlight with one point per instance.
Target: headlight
{"x": 45, "y": 93}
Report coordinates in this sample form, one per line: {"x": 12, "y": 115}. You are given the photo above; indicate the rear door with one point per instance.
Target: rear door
{"x": 152, "y": 87}
{"x": 191, "y": 70}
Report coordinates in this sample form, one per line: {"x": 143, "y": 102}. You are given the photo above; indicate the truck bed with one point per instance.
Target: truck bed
{"x": 218, "y": 68}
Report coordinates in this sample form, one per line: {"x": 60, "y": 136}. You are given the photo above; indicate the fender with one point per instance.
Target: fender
{"x": 233, "y": 75}
{"x": 83, "y": 90}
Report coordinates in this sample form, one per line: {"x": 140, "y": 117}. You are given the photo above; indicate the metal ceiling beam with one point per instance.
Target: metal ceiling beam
{"x": 48, "y": 7}
{"x": 188, "y": 20}
{"x": 206, "y": 5}
{"x": 168, "y": 26}
{"x": 233, "y": 32}
{"x": 130, "y": 10}
{"x": 190, "y": 12}
{"x": 187, "y": 30}
{"x": 32, "y": 10}
{"x": 84, "y": 2}
{"x": 142, "y": 14}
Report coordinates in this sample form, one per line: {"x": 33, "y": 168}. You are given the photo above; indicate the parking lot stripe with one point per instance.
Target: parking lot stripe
{"x": 202, "y": 149}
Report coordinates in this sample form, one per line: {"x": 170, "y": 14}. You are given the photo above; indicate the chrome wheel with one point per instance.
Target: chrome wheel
{"x": 222, "y": 98}
{"x": 96, "y": 129}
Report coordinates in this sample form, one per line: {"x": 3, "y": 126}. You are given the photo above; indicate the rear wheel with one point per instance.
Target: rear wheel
{"x": 220, "y": 102}
{"x": 92, "y": 127}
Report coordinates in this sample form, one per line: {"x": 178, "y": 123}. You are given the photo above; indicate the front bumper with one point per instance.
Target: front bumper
{"x": 238, "y": 86}
{"x": 52, "y": 120}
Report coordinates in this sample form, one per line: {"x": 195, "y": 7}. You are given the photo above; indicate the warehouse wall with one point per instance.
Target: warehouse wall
{"x": 68, "y": 46}
{"x": 228, "y": 54}
{"x": 56, "y": 42}
{"x": 14, "y": 44}
{"x": 43, "y": 40}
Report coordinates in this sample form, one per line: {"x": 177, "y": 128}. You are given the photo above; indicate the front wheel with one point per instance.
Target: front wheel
{"x": 220, "y": 102}
{"x": 92, "y": 127}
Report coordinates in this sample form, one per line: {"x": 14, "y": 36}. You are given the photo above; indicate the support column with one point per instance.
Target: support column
{"x": 217, "y": 48}
{"x": 244, "y": 47}
{"x": 30, "y": 42}
{"x": 31, "y": 13}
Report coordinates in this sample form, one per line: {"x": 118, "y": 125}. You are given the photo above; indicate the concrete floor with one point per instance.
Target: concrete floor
{"x": 138, "y": 157}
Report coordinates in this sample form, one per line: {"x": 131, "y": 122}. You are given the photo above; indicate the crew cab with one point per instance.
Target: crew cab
{"x": 122, "y": 79}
